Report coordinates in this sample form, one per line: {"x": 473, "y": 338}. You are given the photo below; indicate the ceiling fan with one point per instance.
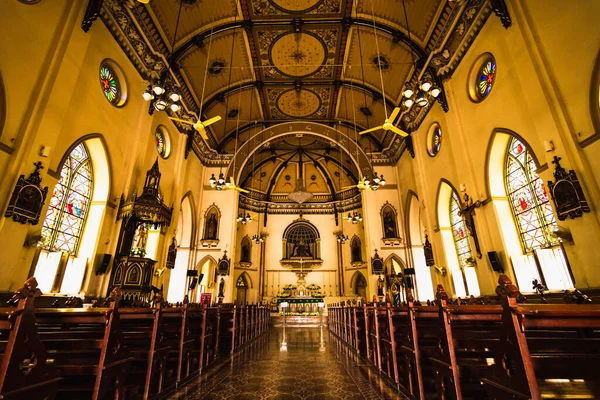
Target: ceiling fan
{"x": 200, "y": 126}
{"x": 388, "y": 125}
{"x": 232, "y": 186}
{"x": 363, "y": 184}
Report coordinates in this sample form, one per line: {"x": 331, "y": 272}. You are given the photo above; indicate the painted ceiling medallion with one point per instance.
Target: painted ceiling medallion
{"x": 216, "y": 67}
{"x": 280, "y": 7}
{"x": 298, "y": 54}
{"x": 295, "y": 5}
{"x": 298, "y": 104}
{"x": 381, "y": 62}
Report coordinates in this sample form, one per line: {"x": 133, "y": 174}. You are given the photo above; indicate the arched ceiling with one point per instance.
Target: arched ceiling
{"x": 272, "y": 61}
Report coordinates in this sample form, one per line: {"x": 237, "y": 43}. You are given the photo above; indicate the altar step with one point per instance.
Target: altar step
{"x": 297, "y": 321}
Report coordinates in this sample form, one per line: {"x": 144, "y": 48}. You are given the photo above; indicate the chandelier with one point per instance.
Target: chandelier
{"x": 342, "y": 238}
{"x": 244, "y": 219}
{"x": 258, "y": 239}
{"x": 420, "y": 95}
{"x": 300, "y": 195}
{"x": 219, "y": 184}
{"x": 161, "y": 93}
{"x": 354, "y": 218}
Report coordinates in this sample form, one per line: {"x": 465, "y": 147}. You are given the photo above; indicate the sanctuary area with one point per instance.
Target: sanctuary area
{"x": 303, "y": 199}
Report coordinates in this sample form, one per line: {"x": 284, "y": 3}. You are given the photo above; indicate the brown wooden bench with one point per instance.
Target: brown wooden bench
{"x": 190, "y": 347}
{"x": 210, "y": 339}
{"x": 226, "y": 330}
{"x": 360, "y": 343}
{"x": 546, "y": 351}
{"x": 426, "y": 326}
{"x": 87, "y": 349}
{"x": 144, "y": 336}
{"x": 25, "y": 371}
{"x": 371, "y": 335}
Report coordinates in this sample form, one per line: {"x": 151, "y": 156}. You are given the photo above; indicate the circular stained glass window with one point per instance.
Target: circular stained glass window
{"x": 113, "y": 88}
{"x": 482, "y": 77}
{"x": 163, "y": 142}
{"x": 434, "y": 140}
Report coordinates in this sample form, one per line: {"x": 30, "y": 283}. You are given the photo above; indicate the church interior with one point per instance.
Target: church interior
{"x": 303, "y": 199}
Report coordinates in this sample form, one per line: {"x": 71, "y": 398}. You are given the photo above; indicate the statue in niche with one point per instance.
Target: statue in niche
{"x": 390, "y": 230}
{"x": 211, "y": 227}
{"x": 245, "y": 253}
{"x": 301, "y": 249}
{"x": 222, "y": 288}
{"x": 142, "y": 237}
{"x": 356, "y": 256}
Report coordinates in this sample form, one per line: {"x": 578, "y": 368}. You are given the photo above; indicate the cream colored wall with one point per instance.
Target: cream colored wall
{"x": 54, "y": 99}
{"x": 544, "y": 66}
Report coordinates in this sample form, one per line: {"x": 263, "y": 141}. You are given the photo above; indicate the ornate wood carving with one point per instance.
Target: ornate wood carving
{"x": 501, "y": 11}
{"x": 428, "y": 250}
{"x": 376, "y": 264}
{"x": 28, "y": 198}
{"x": 567, "y": 194}
{"x": 91, "y": 14}
{"x": 172, "y": 254}
{"x": 223, "y": 265}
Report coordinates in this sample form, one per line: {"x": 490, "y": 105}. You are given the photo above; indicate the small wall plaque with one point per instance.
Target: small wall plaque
{"x": 28, "y": 198}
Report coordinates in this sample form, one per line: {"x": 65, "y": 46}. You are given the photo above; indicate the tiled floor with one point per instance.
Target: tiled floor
{"x": 298, "y": 363}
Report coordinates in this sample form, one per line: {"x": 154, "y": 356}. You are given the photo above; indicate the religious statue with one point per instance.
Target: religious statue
{"x": 467, "y": 212}
{"x": 245, "y": 254}
{"x": 301, "y": 249}
{"x": 211, "y": 228}
{"x": 389, "y": 225}
{"x": 380, "y": 283}
{"x": 356, "y": 256}
{"x": 222, "y": 288}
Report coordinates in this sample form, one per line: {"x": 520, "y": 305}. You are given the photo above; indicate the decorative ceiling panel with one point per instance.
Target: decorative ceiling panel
{"x": 286, "y": 103}
{"x": 284, "y": 8}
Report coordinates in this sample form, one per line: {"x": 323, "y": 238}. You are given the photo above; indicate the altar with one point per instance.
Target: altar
{"x": 300, "y": 305}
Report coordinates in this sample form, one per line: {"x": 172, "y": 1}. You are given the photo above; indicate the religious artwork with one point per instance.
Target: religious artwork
{"x": 428, "y": 250}
{"x": 27, "y": 198}
{"x": 483, "y": 75}
{"x": 223, "y": 264}
{"x": 567, "y": 193}
{"x": 301, "y": 240}
{"x": 68, "y": 209}
{"x": 388, "y": 218}
{"x": 211, "y": 224}
{"x": 460, "y": 233}
{"x": 380, "y": 285}
{"x": 110, "y": 84}
{"x": 221, "y": 288}
{"x": 163, "y": 145}
{"x": 434, "y": 140}
{"x": 172, "y": 254}
{"x": 467, "y": 212}
{"x": 528, "y": 198}
{"x": 246, "y": 252}
{"x": 140, "y": 239}
{"x": 376, "y": 264}
{"x": 355, "y": 250}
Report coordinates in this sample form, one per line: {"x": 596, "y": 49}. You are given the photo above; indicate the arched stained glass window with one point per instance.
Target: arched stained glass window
{"x": 69, "y": 205}
{"x": 459, "y": 233}
{"x": 528, "y": 199}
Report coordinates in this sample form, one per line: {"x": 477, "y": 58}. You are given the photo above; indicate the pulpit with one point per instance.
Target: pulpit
{"x": 133, "y": 272}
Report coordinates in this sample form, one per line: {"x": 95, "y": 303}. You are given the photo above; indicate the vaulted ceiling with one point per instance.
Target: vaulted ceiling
{"x": 257, "y": 63}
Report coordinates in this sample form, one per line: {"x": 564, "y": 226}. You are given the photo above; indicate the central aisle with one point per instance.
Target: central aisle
{"x": 313, "y": 365}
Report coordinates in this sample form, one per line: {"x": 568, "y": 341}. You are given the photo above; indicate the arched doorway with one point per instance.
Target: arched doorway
{"x": 394, "y": 269}
{"x": 423, "y": 282}
{"x": 185, "y": 231}
{"x": 359, "y": 285}
{"x": 242, "y": 285}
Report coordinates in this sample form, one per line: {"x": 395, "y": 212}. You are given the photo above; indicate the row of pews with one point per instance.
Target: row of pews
{"x": 504, "y": 349}
{"x": 112, "y": 352}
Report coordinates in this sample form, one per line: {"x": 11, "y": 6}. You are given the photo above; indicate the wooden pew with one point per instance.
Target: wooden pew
{"x": 145, "y": 337}
{"x": 25, "y": 371}
{"x": 371, "y": 335}
{"x": 173, "y": 331}
{"x": 210, "y": 338}
{"x": 190, "y": 347}
{"x": 387, "y": 352}
{"x": 228, "y": 317}
{"x": 350, "y": 329}
{"x": 466, "y": 336}
{"x": 360, "y": 343}
{"x": 545, "y": 351}
{"x": 87, "y": 349}
{"x": 405, "y": 349}
{"x": 426, "y": 326}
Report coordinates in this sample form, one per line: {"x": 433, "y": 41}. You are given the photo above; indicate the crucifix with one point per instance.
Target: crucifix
{"x": 467, "y": 211}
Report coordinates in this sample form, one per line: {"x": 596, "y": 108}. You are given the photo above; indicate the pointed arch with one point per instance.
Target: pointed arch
{"x": 414, "y": 228}
{"x": 388, "y": 264}
{"x": 186, "y": 224}
{"x": 359, "y": 284}
{"x": 518, "y": 195}
{"x": 75, "y": 215}
{"x": 456, "y": 241}
{"x": 247, "y": 280}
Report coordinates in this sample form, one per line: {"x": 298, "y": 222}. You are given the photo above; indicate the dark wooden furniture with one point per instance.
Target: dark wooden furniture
{"x": 25, "y": 371}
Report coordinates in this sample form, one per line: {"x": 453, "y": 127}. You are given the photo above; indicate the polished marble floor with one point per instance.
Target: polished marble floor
{"x": 296, "y": 363}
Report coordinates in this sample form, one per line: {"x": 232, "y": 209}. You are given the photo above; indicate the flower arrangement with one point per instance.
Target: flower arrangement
{"x": 313, "y": 287}
{"x": 283, "y": 295}
{"x": 289, "y": 287}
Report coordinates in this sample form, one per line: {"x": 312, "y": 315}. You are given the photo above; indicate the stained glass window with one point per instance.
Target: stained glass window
{"x": 487, "y": 74}
{"x": 528, "y": 198}
{"x": 460, "y": 233}
{"x": 69, "y": 205}
{"x": 162, "y": 142}
{"x": 434, "y": 140}
{"x": 110, "y": 84}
